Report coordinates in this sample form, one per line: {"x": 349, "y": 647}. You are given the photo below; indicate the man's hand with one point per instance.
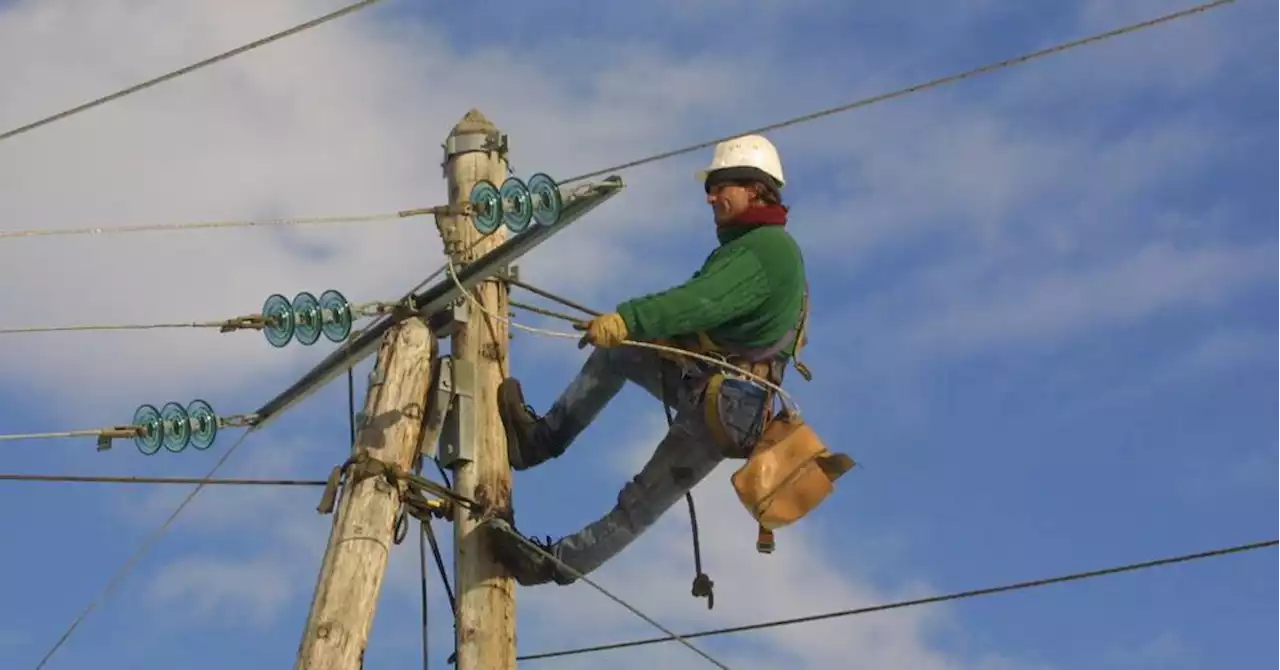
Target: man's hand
{"x": 605, "y": 331}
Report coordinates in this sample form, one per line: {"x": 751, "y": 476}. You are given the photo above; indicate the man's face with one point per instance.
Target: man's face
{"x": 729, "y": 200}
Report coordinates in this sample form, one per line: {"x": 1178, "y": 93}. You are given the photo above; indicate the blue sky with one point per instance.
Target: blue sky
{"x": 1043, "y": 316}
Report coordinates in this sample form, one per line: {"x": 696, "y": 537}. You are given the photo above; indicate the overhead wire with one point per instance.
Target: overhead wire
{"x": 231, "y": 223}
{"x": 120, "y": 573}
{"x": 20, "y": 330}
{"x": 126, "y": 431}
{"x": 142, "y": 550}
{"x": 348, "y": 9}
{"x": 804, "y": 118}
{"x": 249, "y": 322}
{"x": 863, "y": 102}
{"x": 504, "y": 527}
{"x": 359, "y": 310}
{"x": 58, "y": 434}
{"x": 129, "y": 479}
{"x": 960, "y": 595}
{"x": 915, "y": 88}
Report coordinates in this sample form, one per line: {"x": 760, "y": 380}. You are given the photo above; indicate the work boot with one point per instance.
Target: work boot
{"x": 524, "y": 449}
{"x": 526, "y": 564}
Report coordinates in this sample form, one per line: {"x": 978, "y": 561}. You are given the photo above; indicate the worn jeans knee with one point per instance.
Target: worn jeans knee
{"x": 684, "y": 457}
{"x": 602, "y": 376}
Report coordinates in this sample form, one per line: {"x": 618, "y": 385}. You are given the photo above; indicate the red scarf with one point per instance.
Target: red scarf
{"x": 767, "y": 215}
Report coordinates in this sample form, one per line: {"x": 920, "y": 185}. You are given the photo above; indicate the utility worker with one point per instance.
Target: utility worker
{"x": 746, "y": 302}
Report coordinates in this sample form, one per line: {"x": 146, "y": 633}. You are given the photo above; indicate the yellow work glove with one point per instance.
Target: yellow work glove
{"x": 606, "y": 331}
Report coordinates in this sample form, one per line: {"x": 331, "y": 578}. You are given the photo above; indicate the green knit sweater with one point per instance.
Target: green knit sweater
{"x": 749, "y": 293}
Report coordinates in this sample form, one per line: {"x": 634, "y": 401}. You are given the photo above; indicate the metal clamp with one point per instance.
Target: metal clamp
{"x": 473, "y": 142}
{"x": 106, "y": 437}
{"x": 451, "y": 319}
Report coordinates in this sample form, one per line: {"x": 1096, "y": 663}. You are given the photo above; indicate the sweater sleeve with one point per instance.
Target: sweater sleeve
{"x": 726, "y": 288}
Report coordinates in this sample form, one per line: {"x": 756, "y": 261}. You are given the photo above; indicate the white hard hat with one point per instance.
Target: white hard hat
{"x": 751, "y": 151}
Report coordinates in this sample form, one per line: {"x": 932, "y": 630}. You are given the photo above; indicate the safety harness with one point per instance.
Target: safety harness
{"x": 788, "y": 471}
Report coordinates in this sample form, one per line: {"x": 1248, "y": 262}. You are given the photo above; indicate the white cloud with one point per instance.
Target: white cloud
{"x": 347, "y": 118}
{"x": 247, "y": 592}
{"x": 800, "y": 578}
{"x": 260, "y": 562}
{"x": 1039, "y": 305}
{"x": 1167, "y": 651}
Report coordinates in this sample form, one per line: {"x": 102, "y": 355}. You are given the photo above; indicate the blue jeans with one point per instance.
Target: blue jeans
{"x": 684, "y": 457}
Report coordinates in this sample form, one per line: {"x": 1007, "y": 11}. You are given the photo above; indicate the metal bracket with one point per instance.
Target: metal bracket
{"x": 448, "y": 321}
{"x": 469, "y": 142}
{"x": 456, "y": 391}
{"x": 472, "y": 142}
{"x": 580, "y": 201}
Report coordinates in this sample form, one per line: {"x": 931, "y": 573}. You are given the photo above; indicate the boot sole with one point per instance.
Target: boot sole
{"x": 509, "y": 392}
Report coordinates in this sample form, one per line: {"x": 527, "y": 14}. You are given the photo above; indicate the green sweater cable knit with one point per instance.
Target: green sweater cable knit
{"x": 749, "y": 293}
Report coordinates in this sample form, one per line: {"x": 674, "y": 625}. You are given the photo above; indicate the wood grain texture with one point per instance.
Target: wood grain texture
{"x": 486, "y": 631}
{"x": 355, "y": 560}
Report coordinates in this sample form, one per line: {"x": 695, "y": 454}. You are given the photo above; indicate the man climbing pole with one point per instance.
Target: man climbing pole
{"x": 746, "y": 304}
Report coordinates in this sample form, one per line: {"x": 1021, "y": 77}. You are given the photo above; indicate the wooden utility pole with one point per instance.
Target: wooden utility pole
{"x": 355, "y": 560}
{"x": 476, "y": 150}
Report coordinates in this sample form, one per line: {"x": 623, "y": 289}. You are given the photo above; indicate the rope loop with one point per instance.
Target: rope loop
{"x": 413, "y": 490}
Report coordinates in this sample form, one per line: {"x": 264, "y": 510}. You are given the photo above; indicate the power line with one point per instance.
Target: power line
{"x": 190, "y": 68}
{"x": 147, "y": 543}
{"x": 120, "y": 573}
{"x": 17, "y": 330}
{"x": 503, "y": 526}
{"x": 985, "y": 69}
{"x": 1016, "y": 586}
{"x": 107, "y": 479}
{"x": 231, "y": 223}
{"x": 117, "y": 431}
{"x": 248, "y": 322}
{"x": 121, "y": 431}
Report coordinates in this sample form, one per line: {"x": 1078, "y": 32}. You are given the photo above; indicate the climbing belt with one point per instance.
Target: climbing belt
{"x": 702, "y": 584}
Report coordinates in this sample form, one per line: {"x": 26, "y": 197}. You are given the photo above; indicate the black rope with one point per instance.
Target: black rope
{"x": 351, "y": 407}
{"x": 422, "y": 570}
{"x": 435, "y": 545}
{"x": 702, "y": 587}
{"x": 428, "y": 533}
{"x": 444, "y": 574}
{"x": 960, "y": 595}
